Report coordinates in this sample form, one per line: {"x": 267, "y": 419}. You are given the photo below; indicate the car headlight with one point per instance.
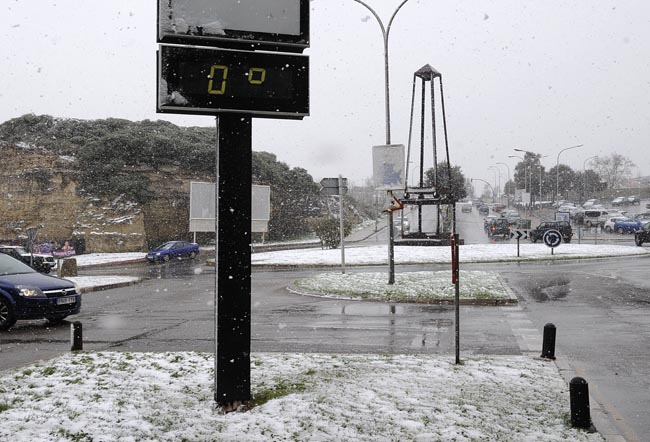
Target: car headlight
{"x": 30, "y": 292}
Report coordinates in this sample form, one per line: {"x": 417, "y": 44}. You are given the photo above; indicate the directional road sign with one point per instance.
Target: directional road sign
{"x": 519, "y": 234}
{"x": 552, "y": 238}
{"x": 330, "y": 186}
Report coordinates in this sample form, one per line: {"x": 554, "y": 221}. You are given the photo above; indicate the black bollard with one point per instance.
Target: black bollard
{"x": 76, "y": 336}
{"x": 579, "y": 394}
{"x": 548, "y": 345}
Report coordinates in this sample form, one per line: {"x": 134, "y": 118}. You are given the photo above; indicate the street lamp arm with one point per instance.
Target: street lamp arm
{"x": 384, "y": 33}
{"x": 390, "y": 22}
{"x": 381, "y": 24}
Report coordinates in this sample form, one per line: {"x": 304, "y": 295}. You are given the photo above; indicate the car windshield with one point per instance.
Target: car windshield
{"x": 11, "y": 266}
{"x": 166, "y": 246}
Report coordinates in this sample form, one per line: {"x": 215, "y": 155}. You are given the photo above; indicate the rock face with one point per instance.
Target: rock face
{"x": 38, "y": 190}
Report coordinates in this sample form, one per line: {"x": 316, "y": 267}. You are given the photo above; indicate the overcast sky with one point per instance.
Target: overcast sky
{"x": 536, "y": 75}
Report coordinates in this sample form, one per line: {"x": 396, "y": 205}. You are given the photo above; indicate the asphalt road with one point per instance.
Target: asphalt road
{"x": 601, "y": 309}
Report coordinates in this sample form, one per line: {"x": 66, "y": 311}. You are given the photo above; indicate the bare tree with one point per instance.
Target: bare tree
{"x": 613, "y": 169}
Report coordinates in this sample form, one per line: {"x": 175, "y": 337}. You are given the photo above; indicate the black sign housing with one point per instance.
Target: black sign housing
{"x": 209, "y": 81}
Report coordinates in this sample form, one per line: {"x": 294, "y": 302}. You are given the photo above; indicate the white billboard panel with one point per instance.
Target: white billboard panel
{"x": 209, "y": 22}
{"x": 202, "y": 207}
{"x": 388, "y": 166}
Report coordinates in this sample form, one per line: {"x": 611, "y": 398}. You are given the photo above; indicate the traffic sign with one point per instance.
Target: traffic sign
{"x": 552, "y": 238}
{"x": 330, "y": 186}
{"x": 519, "y": 234}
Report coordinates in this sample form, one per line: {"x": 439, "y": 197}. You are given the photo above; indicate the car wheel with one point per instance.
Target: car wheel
{"x": 192, "y": 254}
{"x": 608, "y": 229}
{"x": 166, "y": 258}
{"x": 620, "y": 230}
{"x": 7, "y": 318}
{"x": 567, "y": 240}
{"x": 533, "y": 239}
{"x": 588, "y": 223}
{"x": 637, "y": 240}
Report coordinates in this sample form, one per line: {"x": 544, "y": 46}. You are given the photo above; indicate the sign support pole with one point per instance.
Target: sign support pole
{"x": 342, "y": 224}
{"x": 233, "y": 260}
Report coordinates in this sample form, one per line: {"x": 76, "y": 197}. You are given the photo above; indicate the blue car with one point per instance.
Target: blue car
{"x": 627, "y": 226}
{"x": 173, "y": 249}
{"x": 28, "y": 294}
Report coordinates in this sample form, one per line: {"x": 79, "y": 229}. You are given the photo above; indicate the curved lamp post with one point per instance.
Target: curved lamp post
{"x": 483, "y": 181}
{"x": 557, "y": 171}
{"x": 385, "y": 31}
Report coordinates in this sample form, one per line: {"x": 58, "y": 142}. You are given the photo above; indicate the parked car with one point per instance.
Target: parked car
{"x": 40, "y": 262}
{"x": 173, "y": 249}
{"x": 619, "y": 201}
{"x": 564, "y": 227}
{"x": 634, "y": 200}
{"x": 642, "y": 235}
{"x": 627, "y": 225}
{"x": 609, "y": 224}
{"x": 589, "y": 203}
{"x": 28, "y": 294}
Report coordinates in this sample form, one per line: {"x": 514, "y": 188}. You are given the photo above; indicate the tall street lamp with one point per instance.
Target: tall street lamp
{"x": 498, "y": 187}
{"x": 584, "y": 175}
{"x": 385, "y": 31}
{"x": 557, "y": 171}
{"x": 507, "y": 196}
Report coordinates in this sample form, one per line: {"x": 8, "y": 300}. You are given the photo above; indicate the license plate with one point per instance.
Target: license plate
{"x": 66, "y": 300}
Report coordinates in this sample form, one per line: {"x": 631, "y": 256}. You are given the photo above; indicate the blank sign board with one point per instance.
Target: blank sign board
{"x": 284, "y": 22}
{"x": 202, "y": 207}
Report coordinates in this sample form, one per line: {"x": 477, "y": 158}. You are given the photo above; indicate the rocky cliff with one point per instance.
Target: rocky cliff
{"x": 38, "y": 190}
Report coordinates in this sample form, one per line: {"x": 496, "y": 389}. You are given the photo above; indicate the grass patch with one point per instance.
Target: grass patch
{"x": 283, "y": 388}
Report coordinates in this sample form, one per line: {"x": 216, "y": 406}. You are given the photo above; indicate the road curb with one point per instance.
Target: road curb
{"x": 115, "y": 285}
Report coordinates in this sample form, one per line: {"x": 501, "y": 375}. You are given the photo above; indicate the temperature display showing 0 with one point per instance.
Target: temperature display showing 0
{"x": 212, "y": 81}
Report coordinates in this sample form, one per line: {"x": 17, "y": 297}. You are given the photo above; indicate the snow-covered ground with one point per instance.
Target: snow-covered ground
{"x": 301, "y": 397}
{"x": 378, "y": 255}
{"x": 474, "y": 287}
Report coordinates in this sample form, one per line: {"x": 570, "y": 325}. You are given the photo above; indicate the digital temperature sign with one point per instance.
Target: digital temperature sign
{"x": 211, "y": 81}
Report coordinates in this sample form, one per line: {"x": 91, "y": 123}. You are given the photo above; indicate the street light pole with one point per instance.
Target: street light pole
{"x": 385, "y": 31}
{"x": 507, "y": 196}
{"x": 557, "y": 171}
{"x": 498, "y": 187}
{"x": 584, "y": 176}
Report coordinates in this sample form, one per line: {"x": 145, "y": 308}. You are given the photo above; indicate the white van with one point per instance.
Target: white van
{"x": 595, "y": 217}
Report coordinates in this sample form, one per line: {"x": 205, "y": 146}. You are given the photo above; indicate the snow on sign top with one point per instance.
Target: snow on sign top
{"x": 215, "y": 22}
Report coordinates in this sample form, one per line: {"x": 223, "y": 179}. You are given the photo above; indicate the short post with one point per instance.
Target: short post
{"x": 76, "y": 338}
{"x": 579, "y": 398}
{"x": 548, "y": 344}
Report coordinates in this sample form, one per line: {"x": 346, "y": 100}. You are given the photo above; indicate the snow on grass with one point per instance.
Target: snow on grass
{"x": 301, "y": 397}
{"x": 431, "y": 287}
{"x": 378, "y": 255}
